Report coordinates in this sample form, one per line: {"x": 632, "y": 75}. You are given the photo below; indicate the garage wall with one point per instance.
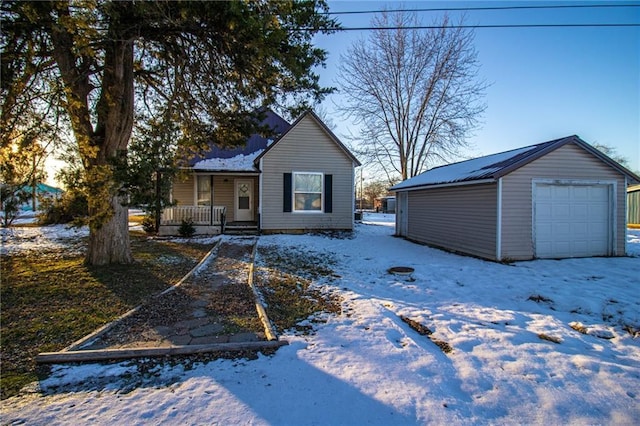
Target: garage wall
{"x": 460, "y": 218}
{"x": 568, "y": 162}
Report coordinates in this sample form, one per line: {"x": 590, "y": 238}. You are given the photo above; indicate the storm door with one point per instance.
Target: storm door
{"x": 244, "y": 200}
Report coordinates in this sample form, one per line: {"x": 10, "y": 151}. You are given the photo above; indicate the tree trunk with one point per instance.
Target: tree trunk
{"x": 109, "y": 243}
{"x": 109, "y": 234}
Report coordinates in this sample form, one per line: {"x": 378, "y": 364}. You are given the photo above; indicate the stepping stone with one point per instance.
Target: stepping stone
{"x": 209, "y": 340}
{"x": 243, "y": 337}
{"x": 163, "y": 330}
{"x": 207, "y": 330}
{"x": 180, "y": 340}
{"x": 199, "y": 304}
{"x": 199, "y": 313}
{"x": 192, "y": 323}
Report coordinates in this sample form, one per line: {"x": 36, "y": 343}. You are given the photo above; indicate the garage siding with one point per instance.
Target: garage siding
{"x": 306, "y": 148}
{"x": 461, "y": 218}
{"x": 568, "y": 162}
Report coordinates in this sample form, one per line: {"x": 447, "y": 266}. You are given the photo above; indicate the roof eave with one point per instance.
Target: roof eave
{"x": 564, "y": 141}
{"x": 535, "y": 155}
{"x": 444, "y": 184}
{"x": 222, "y": 171}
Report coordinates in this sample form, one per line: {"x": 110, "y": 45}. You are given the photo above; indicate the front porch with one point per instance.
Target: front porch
{"x": 207, "y": 220}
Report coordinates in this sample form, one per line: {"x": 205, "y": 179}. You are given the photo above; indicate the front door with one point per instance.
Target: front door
{"x": 244, "y": 200}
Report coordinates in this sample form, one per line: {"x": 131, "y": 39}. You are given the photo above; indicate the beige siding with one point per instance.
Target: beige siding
{"x": 460, "y": 218}
{"x": 183, "y": 191}
{"x": 306, "y": 148}
{"x": 224, "y": 193}
{"x": 569, "y": 162}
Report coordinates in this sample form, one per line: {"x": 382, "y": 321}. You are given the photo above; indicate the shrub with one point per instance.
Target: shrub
{"x": 186, "y": 228}
{"x": 149, "y": 224}
{"x": 71, "y": 207}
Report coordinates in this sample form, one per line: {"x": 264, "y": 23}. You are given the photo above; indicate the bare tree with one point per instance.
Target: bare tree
{"x": 374, "y": 190}
{"x": 415, "y": 93}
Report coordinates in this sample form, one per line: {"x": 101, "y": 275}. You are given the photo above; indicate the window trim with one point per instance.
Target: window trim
{"x": 293, "y": 193}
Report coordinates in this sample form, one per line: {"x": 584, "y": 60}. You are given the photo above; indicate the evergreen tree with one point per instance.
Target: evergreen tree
{"x": 206, "y": 66}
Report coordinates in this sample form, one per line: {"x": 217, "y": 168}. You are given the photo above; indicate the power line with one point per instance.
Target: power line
{"x": 438, "y": 27}
{"x": 481, "y": 8}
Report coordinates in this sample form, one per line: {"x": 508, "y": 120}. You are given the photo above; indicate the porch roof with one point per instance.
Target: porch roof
{"x": 239, "y": 163}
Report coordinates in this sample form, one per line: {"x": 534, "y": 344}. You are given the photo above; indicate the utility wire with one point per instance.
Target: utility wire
{"x": 480, "y": 8}
{"x": 437, "y": 27}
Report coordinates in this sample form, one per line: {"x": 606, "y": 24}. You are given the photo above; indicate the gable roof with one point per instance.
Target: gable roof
{"x": 494, "y": 166}
{"x": 240, "y": 158}
{"x": 328, "y": 131}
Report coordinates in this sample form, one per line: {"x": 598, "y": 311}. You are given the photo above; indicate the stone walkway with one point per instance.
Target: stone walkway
{"x": 214, "y": 305}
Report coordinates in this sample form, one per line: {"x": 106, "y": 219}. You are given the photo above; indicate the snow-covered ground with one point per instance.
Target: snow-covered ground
{"x": 366, "y": 366}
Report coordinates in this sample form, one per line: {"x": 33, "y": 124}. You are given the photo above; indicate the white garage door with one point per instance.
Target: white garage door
{"x": 572, "y": 220}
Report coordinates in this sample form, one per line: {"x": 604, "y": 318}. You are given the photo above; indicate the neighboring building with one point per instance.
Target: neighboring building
{"x": 303, "y": 180}
{"x": 42, "y": 191}
{"x": 557, "y": 199}
{"x": 633, "y": 205}
{"x": 388, "y": 204}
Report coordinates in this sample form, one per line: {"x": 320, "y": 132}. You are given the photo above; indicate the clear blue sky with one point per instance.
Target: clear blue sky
{"x": 546, "y": 83}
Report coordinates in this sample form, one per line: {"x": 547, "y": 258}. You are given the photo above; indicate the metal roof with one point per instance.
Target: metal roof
{"x": 494, "y": 166}
{"x": 255, "y": 142}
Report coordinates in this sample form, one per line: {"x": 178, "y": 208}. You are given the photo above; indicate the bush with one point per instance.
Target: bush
{"x": 186, "y": 228}
{"x": 71, "y": 207}
{"x": 149, "y": 224}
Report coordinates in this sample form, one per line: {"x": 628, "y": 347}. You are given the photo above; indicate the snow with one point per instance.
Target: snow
{"x": 34, "y": 238}
{"x": 366, "y": 366}
{"x": 239, "y": 163}
{"x": 464, "y": 170}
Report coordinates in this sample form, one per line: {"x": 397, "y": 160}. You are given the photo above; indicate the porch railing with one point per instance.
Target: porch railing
{"x": 200, "y": 215}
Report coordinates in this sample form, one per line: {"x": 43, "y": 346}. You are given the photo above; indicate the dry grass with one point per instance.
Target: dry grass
{"x": 287, "y": 287}
{"x": 423, "y": 330}
{"x": 548, "y": 338}
{"x": 51, "y": 299}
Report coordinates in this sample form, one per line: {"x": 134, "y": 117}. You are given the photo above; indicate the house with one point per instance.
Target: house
{"x": 633, "y": 206}
{"x": 301, "y": 180}
{"x": 557, "y": 199}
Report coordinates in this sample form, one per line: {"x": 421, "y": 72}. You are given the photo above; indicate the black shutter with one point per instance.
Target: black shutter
{"x": 328, "y": 193}
{"x": 287, "y": 196}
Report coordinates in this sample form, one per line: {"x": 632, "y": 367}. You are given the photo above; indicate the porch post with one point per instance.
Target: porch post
{"x": 158, "y": 177}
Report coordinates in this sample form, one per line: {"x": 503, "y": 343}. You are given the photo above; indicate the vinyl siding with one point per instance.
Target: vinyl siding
{"x": 459, "y": 218}
{"x": 306, "y": 148}
{"x": 182, "y": 191}
{"x": 568, "y": 162}
{"x": 223, "y": 192}
{"x": 633, "y": 206}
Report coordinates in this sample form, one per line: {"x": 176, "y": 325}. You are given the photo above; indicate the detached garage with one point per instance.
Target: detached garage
{"x": 557, "y": 199}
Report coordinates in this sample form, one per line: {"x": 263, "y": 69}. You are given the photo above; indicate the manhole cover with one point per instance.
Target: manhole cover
{"x": 401, "y": 270}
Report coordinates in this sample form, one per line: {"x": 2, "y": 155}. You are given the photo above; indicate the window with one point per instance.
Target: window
{"x": 204, "y": 190}
{"x": 307, "y": 192}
